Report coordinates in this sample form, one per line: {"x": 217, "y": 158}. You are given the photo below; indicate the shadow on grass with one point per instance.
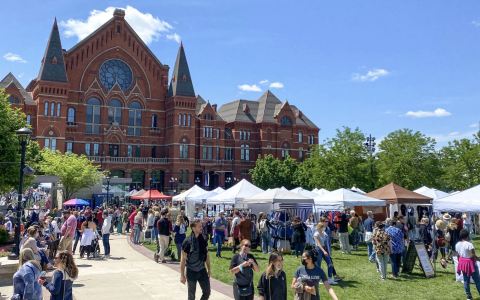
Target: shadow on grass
{"x": 348, "y": 283}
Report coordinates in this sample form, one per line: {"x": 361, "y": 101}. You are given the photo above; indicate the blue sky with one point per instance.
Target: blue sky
{"x": 378, "y": 65}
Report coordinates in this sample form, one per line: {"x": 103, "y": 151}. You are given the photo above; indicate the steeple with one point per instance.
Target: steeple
{"x": 181, "y": 83}
{"x": 53, "y": 65}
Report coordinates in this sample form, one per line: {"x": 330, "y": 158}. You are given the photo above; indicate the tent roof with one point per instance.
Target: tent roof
{"x": 466, "y": 201}
{"x": 242, "y": 190}
{"x": 320, "y": 191}
{"x": 356, "y": 189}
{"x": 431, "y": 192}
{"x": 394, "y": 193}
{"x": 191, "y": 192}
{"x": 137, "y": 193}
{"x": 278, "y": 195}
{"x": 76, "y": 202}
{"x": 304, "y": 192}
{"x": 151, "y": 195}
{"x": 344, "y": 198}
{"x": 207, "y": 195}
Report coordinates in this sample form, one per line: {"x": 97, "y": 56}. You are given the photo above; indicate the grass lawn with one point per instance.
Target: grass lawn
{"x": 360, "y": 279}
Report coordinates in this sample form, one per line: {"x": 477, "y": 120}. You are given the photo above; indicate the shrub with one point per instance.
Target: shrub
{"x": 4, "y": 236}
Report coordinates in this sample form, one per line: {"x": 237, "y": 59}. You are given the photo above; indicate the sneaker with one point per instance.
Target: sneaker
{"x": 331, "y": 281}
{"x": 155, "y": 257}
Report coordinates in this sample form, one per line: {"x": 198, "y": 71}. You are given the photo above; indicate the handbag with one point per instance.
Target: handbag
{"x": 245, "y": 290}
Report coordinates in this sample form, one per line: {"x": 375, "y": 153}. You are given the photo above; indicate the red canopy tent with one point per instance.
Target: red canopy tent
{"x": 151, "y": 195}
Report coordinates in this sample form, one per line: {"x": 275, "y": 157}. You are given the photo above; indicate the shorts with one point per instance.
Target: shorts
{"x": 65, "y": 244}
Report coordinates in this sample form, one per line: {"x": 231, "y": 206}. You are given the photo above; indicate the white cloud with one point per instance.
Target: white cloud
{"x": 476, "y": 23}
{"x": 148, "y": 27}
{"x": 437, "y": 113}
{"x": 249, "y": 88}
{"x": 454, "y": 135}
{"x": 175, "y": 37}
{"x": 276, "y": 85}
{"x": 474, "y": 125}
{"x": 371, "y": 75}
{"x": 14, "y": 57}
{"x": 265, "y": 81}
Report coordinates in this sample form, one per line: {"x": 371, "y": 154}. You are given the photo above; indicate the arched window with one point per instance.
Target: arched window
{"x": 13, "y": 100}
{"x": 59, "y": 108}
{"x": 52, "y": 109}
{"x": 50, "y": 143}
{"x": 45, "y": 111}
{"x": 93, "y": 116}
{"x": 244, "y": 152}
{"x": 154, "y": 121}
{"x": 300, "y": 137}
{"x": 71, "y": 115}
{"x": 134, "y": 119}
{"x": 189, "y": 120}
{"x": 286, "y": 121}
{"x": 179, "y": 119}
{"x": 114, "y": 111}
{"x": 285, "y": 150}
{"x": 29, "y": 120}
{"x": 183, "y": 149}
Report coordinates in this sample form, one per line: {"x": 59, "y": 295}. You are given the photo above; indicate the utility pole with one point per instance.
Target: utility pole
{"x": 370, "y": 145}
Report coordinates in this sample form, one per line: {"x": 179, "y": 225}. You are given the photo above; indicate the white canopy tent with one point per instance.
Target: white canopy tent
{"x": 277, "y": 195}
{"x": 237, "y": 193}
{"x": 209, "y": 194}
{"x": 431, "y": 192}
{"x": 320, "y": 192}
{"x": 304, "y": 192}
{"x": 343, "y": 198}
{"x": 466, "y": 201}
{"x": 191, "y": 192}
{"x": 356, "y": 189}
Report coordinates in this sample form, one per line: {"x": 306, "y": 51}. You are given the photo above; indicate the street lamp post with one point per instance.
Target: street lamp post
{"x": 108, "y": 189}
{"x": 23, "y": 136}
{"x": 150, "y": 190}
{"x": 370, "y": 145}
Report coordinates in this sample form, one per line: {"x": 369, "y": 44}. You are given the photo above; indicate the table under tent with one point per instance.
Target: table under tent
{"x": 191, "y": 207}
{"x": 233, "y": 197}
{"x": 199, "y": 202}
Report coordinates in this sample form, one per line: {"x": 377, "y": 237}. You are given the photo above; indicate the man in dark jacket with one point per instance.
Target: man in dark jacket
{"x": 164, "y": 229}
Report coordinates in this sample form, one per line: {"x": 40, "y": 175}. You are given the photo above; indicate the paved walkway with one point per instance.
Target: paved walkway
{"x": 128, "y": 274}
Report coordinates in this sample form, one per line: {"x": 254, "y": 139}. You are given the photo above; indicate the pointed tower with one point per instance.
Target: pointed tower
{"x": 181, "y": 83}
{"x": 53, "y": 65}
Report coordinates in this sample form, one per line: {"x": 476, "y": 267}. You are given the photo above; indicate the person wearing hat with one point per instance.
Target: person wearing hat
{"x": 446, "y": 217}
{"x": 67, "y": 231}
{"x": 425, "y": 235}
{"x": 440, "y": 241}
{"x": 219, "y": 227}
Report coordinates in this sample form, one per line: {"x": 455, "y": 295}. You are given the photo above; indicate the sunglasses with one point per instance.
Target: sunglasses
{"x": 247, "y": 245}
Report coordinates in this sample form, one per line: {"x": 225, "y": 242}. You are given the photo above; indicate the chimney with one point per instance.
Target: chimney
{"x": 214, "y": 106}
{"x": 119, "y": 13}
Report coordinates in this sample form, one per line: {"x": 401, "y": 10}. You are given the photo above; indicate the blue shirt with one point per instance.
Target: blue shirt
{"x": 368, "y": 225}
{"x": 396, "y": 237}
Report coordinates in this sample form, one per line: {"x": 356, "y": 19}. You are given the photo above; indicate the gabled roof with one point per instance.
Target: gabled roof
{"x": 53, "y": 65}
{"x": 239, "y": 111}
{"x": 267, "y": 106}
{"x": 181, "y": 82}
{"x": 200, "y": 104}
{"x": 11, "y": 79}
{"x": 397, "y": 194}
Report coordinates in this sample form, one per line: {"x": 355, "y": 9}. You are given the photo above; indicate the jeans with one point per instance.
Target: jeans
{"x": 219, "y": 238}
{"x": 371, "y": 253}
{"x": 382, "y": 260}
{"x": 266, "y": 242}
{"x": 78, "y": 236}
{"x": 344, "y": 242}
{"x": 203, "y": 280}
{"x": 466, "y": 282}
{"x": 136, "y": 234}
{"x": 395, "y": 259}
{"x": 299, "y": 248}
{"x": 106, "y": 243}
{"x": 327, "y": 259}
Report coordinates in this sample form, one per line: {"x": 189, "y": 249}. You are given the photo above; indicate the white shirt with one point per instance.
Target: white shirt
{"x": 464, "y": 249}
{"x": 235, "y": 222}
{"x": 107, "y": 223}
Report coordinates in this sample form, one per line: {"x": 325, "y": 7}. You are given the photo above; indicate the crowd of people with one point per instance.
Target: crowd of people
{"x": 51, "y": 238}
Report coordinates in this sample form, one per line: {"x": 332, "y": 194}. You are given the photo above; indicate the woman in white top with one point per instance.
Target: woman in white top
{"x": 467, "y": 262}
{"x": 89, "y": 229}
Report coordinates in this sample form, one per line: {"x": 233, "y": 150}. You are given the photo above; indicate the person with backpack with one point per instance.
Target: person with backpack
{"x": 25, "y": 280}
{"x": 196, "y": 262}
{"x": 264, "y": 231}
{"x": 219, "y": 225}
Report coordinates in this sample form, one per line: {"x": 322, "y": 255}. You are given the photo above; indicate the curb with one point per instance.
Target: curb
{"x": 215, "y": 284}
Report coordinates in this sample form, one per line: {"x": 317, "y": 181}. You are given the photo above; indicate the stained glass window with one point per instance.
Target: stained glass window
{"x": 115, "y": 71}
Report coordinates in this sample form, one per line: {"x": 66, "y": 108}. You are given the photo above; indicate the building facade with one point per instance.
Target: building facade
{"x": 110, "y": 98}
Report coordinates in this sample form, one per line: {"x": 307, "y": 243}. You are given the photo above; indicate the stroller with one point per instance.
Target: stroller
{"x": 96, "y": 246}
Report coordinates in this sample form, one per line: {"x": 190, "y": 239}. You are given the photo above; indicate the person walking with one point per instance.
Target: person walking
{"x": 368, "y": 225}
{"x": 381, "y": 241}
{"x": 245, "y": 228}
{"x": 164, "y": 231}
{"x": 298, "y": 236}
{"x": 321, "y": 238}
{"x": 150, "y": 223}
{"x": 107, "y": 224}
{"x": 196, "y": 262}
{"x": 25, "y": 280}
{"x": 137, "y": 227}
{"x": 180, "y": 230}
{"x": 343, "y": 233}
{"x": 264, "y": 230}
{"x": 219, "y": 226}
{"x": 68, "y": 231}
{"x": 308, "y": 277}
{"x": 61, "y": 285}
{"x": 78, "y": 235}
{"x": 467, "y": 265}
{"x": 242, "y": 265}
{"x": 119, "y": 218}
{"x": 354, "y": 223}
{"x": 397, "y": 246}
{"x": 89, "y": 230}
{"x": 235, "y": 230}
{"x": 272, "y": 284}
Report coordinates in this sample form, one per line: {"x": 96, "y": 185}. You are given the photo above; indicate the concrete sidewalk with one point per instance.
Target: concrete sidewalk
{"x": 128, "y": 274}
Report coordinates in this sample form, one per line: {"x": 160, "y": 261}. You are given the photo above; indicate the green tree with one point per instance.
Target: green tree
{"x": 341, "y": 161}
{"x": 271, "y": 172}
{"x": 409, "y": 159}
{"x": 13, "y": 119}
{"x": 460, "y": 162}
{"x": 74, "y": 171}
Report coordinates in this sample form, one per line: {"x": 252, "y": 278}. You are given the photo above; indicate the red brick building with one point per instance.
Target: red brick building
{"x": 109, "y": 97}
